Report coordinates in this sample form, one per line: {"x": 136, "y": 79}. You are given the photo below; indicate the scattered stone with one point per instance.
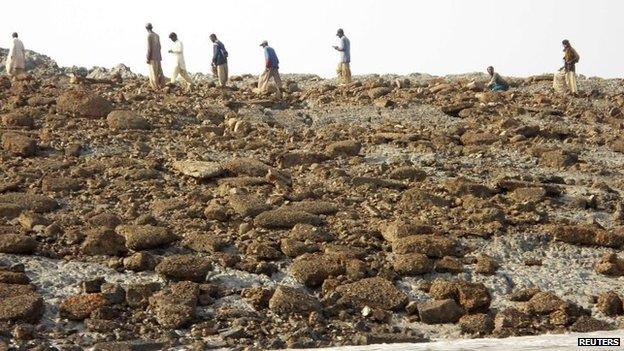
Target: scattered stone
{"x": 199, "y": 169}
{"x": 83, "y": 104}
{"x": 126, "y": 120}
{"x": 344, "y": 148}
{"x": 479, "y": 324}
{"x": 184, "y": 267}
{"x": 17, "y": 244}
{"x": 79, "y": 307}
{"x": 439, "y": 311}
{"x": 312, "y": 269}
{"x": 412, "y": 264}
{"x": 103, "y": 241}
{"x": 284, "y": 218}
{"x": 145, "y": 237}
{"x": 430, "y": 245}
{"x": 19, "y": 144}
{"x": 373, "y": 292}
{"x": 610, "y": 304}
{"x": 288, "y": 300}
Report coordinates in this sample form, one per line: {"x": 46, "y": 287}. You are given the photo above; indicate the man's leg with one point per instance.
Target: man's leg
{"x": 161, "y": 75}
{"x": 174, "y": 75}
{"x": 278, "y": 81}
{"x": 573, "y": 83}
{"x": 222, "y": 74}
{"x": 347, "y": 72}
{"x": 339, "y": 72}
{"x": 152, "y": 75}
{"x": 187, "y": 78}
{"x": 263, "y": 81}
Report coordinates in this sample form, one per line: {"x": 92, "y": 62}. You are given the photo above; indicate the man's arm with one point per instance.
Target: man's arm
{"x": 215, "y": 50}
{"x": 149, "y": 49}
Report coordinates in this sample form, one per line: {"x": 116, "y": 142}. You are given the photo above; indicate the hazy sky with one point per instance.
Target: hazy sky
{"x": 518, "y": 37}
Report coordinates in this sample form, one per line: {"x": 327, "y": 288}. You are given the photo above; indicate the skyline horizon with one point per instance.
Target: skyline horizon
{"x": 452, "y": 37}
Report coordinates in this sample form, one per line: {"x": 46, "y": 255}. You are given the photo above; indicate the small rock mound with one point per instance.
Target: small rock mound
{"x": 126, "y": 120}
{"x": 83, "y": 104}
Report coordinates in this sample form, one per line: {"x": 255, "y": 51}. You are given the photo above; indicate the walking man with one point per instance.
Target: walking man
{"x": 180, "y": 65}
{"x": 271, "y": 70}
{"x": 497, "y": 83}
{"x": 16, "y": 60}
{"x": 344, "y": 67}
{"x": 570, "y": 59}
{"x": 219, "y": 60}
{"x": 156, "y": 77}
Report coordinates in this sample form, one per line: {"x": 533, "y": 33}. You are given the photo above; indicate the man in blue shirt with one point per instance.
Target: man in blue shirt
{"x": 271, "y": 70}
{"x": 344, "y": 66}
{"x": 219, "y": 60}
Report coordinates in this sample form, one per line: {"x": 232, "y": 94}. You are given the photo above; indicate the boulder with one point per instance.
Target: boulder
{"x": 558, "y": 158}
{"x": 199, "y": 169}
{"x": 126, "y": 120}
{"x": 301, "y": 158}
{"x": 544, "y": 303}
{"x": 439, "y": 311}
{"x": 17, "y": 244}
{"x": 344, "y": 148}
{"x": 83, "y": 104}
{"x": 20, "y": 306}
{"x": 401, "y": 229}
{"x": 476, "y": 324}
{"x": 79, "y": 307}
{"x": 610, "y": 264}
{"x": 18, "y": 119}
{"x": 587, "y": 324}
{"x": 610, "y": 304}
{"x": 312, "y": 269}
{"x": 373, "y": 292}
{"x": 184, "y": 267}
{"x": 248, "y": 205}
{"x": 586, "y": 235}
{"x": 313, "y": 207}
{"x": 205, "y": 242}
{"x": 30, "y": 202}
{"x": 412, "y": 264}
{"x": 58, "y": 184}
{"x": 19, "y": 144}
{"x": 408, "y": 173}
{"x": 289, "y": 300}
{"x": 285, "y": 218}
{"x": 145, "y": 237}
{"x": 416, "y": 199}
{"x": 449, "y": 264}
{"x": 103, "y": 241}
{"x": 430, "y": 245}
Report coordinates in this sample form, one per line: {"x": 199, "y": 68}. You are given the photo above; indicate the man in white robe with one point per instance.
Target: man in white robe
{"x": 16, "y": 60}
{"x": 180, "y": 65}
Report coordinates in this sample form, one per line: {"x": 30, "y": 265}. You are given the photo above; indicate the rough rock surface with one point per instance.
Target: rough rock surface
{"x": 338, "y": 215}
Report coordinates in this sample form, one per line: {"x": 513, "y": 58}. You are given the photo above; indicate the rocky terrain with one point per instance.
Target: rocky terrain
{"x": 395, "y": 209}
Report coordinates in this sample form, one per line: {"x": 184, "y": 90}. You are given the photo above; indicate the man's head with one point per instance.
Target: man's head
{"x": 149, "y": 27}
{"x": 173, "y": 36}
{"x": 213, "y": 37}
{"x": 340, "y": 33}
{"x": 14, "y": 35}
{"x": 264, "y": 44}
{"x": 566, "y": 43}
{"x": 490, "y": 70}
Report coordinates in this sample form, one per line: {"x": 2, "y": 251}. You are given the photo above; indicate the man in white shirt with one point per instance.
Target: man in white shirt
{"x": 16, "y": 60}
{"x": 344, "y": 66}
{"x": 180, "y": 65}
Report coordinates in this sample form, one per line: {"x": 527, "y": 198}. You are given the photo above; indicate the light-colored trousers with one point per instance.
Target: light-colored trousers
{"x": 156, "y": 77}
{"x": 263, "y": 82}
{"x": 344, "y": 72}
{"x": 177, "y": 71}
{"x": 15, "y": 72}
{"x": 222, "y": 73}
{"x": 570, "y": 78}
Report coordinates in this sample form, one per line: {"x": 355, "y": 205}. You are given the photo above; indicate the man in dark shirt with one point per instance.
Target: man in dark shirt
{"x": 271, "y": 70}
{"x": 219, "y": 60}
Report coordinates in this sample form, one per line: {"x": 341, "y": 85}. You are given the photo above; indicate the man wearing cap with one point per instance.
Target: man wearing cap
{"x": 180, "y": 65}
{"x": 156, "y": 77}
{"x": 219, "y": 60}
{"x": 271, "y": 70}
{"x": 570, "y": 59}
{"x": 16, "y": 60}
{"x": 344, "y": 67}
